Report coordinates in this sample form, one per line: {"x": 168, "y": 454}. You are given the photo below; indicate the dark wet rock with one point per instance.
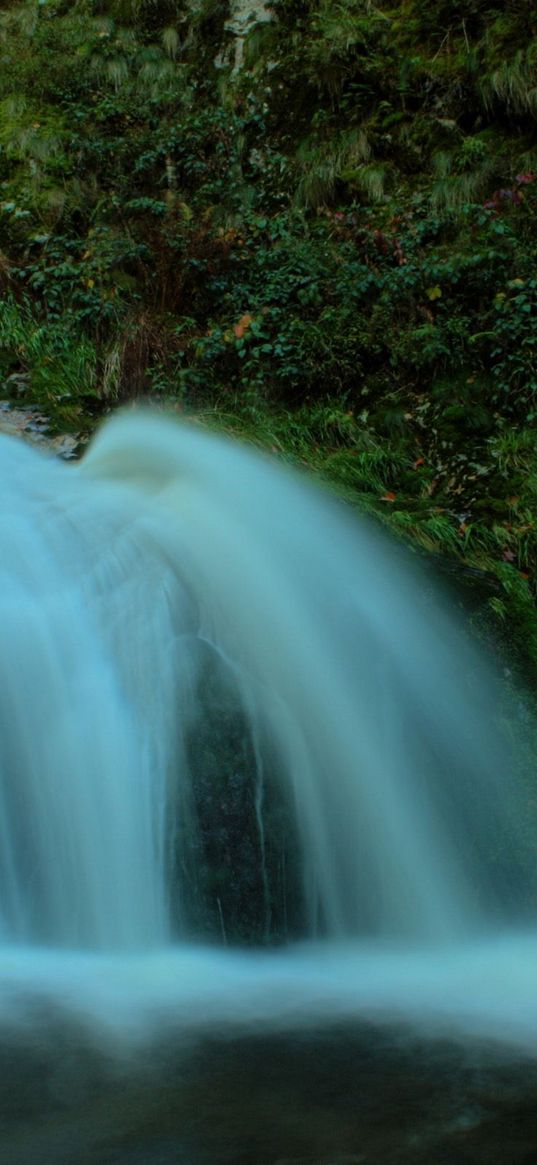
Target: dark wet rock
{"x": 359, "y": 1095}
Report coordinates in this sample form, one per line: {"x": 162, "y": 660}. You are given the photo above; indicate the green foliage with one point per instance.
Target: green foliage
{"x": 42, "y": 363}
{"x": 331, "y": 248}
{"x": 513, "y": 346}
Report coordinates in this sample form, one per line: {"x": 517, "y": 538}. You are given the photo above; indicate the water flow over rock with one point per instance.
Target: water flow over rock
{"x": 182, "y": 623}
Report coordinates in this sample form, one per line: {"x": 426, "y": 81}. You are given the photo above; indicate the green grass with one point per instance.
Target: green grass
{"x": 496, "y": 559}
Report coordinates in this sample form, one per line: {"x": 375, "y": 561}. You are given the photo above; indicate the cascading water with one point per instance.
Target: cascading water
{"x": 177, "y": 613}
{"x": 114, "y": 574}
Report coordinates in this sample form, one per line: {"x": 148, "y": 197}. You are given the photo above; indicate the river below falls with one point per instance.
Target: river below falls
{"x": 320, "y": 1056}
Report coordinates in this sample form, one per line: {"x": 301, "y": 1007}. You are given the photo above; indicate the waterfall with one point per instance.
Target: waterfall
{"x": 171, "y": 563}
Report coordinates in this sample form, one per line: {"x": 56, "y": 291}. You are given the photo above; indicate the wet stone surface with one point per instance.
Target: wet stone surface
{"x": 32, "y": 426}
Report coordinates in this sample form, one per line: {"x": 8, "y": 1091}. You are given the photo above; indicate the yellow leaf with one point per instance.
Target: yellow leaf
{"x": 433, "y": 293}
{"x": 90, "y": 283}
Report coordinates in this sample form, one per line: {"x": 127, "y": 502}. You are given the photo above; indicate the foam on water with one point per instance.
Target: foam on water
{"x": 485, "y": 990}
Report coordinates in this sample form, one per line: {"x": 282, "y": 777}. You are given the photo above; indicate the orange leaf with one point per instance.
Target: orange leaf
{"x": 388, "y": 497}
{"x": 420, "y": 461}
{"x": 243, "y": 325}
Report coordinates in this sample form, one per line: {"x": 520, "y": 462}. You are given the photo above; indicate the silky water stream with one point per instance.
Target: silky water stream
{"x": 267, "y": 880}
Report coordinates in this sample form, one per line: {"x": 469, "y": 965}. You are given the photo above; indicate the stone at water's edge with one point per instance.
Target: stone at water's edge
{"x": 367, "y": 1094}
{"x": 32, "y": 426}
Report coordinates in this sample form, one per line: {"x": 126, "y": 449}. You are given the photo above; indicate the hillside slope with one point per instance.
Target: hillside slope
{"x": 314, "y": 222}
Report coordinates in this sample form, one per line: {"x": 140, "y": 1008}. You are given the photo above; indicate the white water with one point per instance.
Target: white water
{"x": 382, "y": 724}
{"x": 483, "y": 990}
